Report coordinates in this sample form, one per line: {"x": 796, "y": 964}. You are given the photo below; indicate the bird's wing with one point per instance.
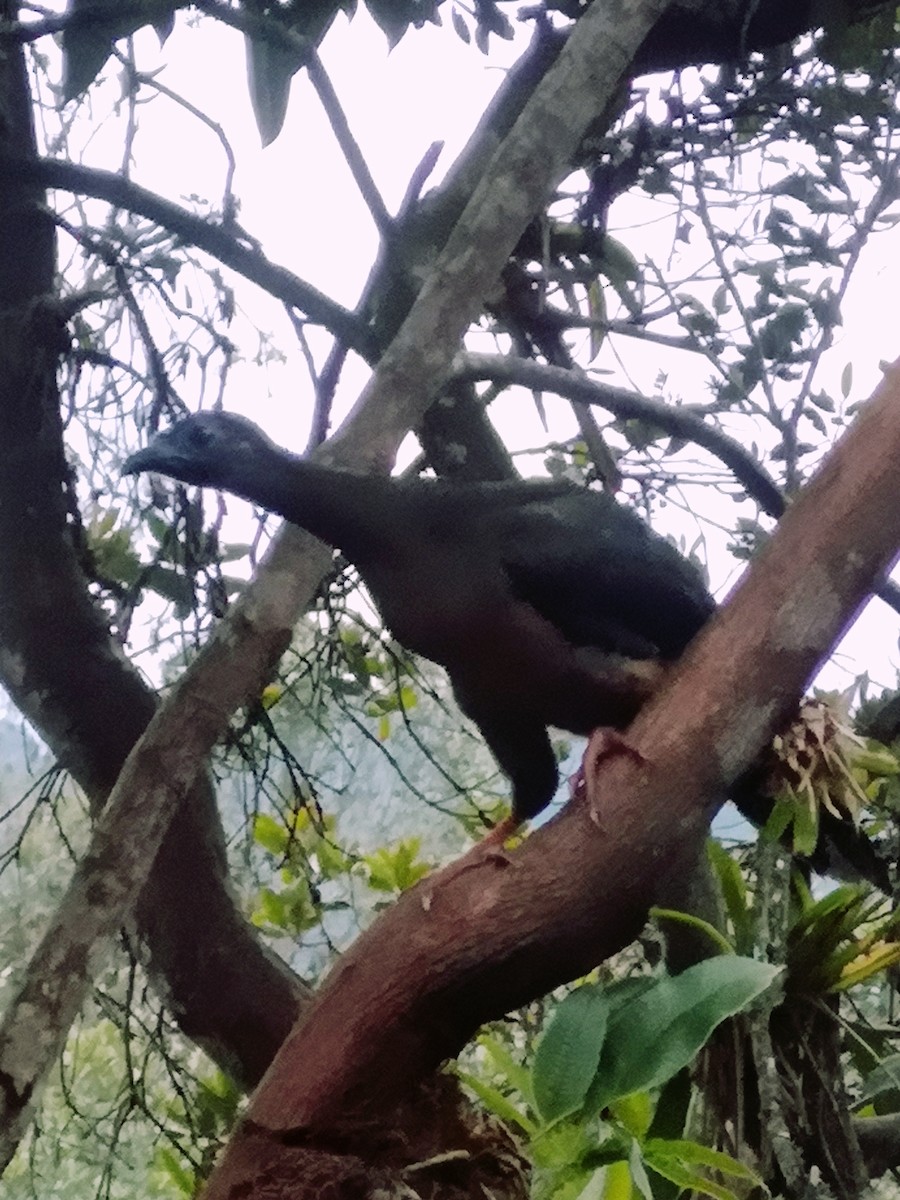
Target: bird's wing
{"x": 601, "y": 576}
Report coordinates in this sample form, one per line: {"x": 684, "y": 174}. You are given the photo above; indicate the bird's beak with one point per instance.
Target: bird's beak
{"x": 144, "y": 460}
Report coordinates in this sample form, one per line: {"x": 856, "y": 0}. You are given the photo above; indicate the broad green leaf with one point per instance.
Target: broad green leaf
{"x": 171, "y": 1167}
{"x": 597, "y": 312}
{"x": 618, "y": 262}
{"x": 568, "y": 1144}
{"x": 271, "y": 68}
{"x": 689, "y": 1180}
{"x": 394, "y": 17}
{"x": 171, "y": 586}
{"x": 876, "y": 759}
{"x": 734, "y": 893}
{"x": 567, "y": 1055}
{"x": 460, "y": 27}
{"x": 653, "y": 1037}
{"x": 624, "y": 991}
{"x": 779, "y": 819}
{"x": 87, "y": 45}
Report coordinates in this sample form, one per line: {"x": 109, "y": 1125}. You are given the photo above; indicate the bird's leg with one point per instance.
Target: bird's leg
{"x": 524, "y": 752}
{"x": 495, "y": 839}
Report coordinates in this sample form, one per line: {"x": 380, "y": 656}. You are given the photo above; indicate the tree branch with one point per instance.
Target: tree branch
{"x": 216, "y": 240}
{"x": 233, "y": 667}
{"x": 680, "y": 422}
{"x": 520, "y": 178}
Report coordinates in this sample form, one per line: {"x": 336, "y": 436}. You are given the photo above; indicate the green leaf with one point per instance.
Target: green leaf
{"x": 494, "y": 1101}
{"x": 618, "y": 263}
{"x": 693, "y": 1152}
{"x": 597, "y": 312}
{"x": 617, "y": 1182}
{"x": 677, "y": 1160}
{"x": 779, "y": 819}
{"x": 689, "y": 1180}
{"x": 459, "y": 26}
{"x": 271, "y": 68}
{"x": 394, "y": 869}
{"x": 653, "y": 1037}
{"x": 270, "y": 834}
{"x": 270, "y": 909}
{"x": 805, "y": 833}
{"x": 113, "y": 552}
{"x": 567, "y": 1055}
{"x": 172, "y": 1169}
{"x": 634, "y": 1112}
{"x": 513, "y": 1072}
{"x": 734, "y": 893}
{"x": 171, "y": 586}
{"x": 394, "y": 17}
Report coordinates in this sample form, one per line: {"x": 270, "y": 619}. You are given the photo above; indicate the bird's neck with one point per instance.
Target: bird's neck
{"x": 349, "y": 511}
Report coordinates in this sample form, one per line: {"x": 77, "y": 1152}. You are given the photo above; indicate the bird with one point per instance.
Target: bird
{"x": 548, "y": 604}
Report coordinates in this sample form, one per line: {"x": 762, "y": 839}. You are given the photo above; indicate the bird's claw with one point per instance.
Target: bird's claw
{"x": 604, "y": 743}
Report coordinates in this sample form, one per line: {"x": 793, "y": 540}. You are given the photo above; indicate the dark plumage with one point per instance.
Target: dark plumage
{"x": 547, "y": 604}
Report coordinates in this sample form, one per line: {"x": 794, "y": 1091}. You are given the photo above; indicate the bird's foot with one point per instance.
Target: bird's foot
{"x": 604, "y": 743}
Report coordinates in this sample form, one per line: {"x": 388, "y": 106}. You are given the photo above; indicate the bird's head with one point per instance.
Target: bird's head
{"x": 207, "y": 449}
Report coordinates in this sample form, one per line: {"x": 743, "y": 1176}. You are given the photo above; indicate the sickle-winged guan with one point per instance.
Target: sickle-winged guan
{"x": 547, "y": 604}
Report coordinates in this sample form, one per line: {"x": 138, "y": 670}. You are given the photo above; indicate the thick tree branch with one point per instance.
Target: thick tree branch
{"x": 466, "y": 946}
{"x": 879, "y": 1141}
